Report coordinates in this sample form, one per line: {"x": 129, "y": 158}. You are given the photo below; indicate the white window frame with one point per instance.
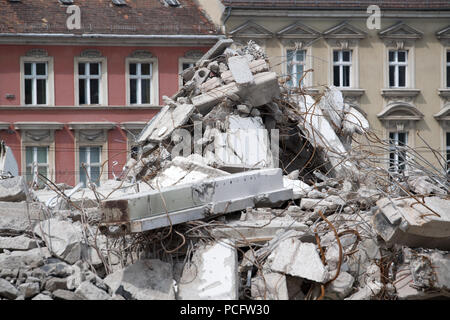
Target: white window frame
{"x": 447, "y": 150}
{"x": 87, "y": 77}
{"x": 47, "y": 164}
{"x": 296, "y": 63}
{"x": 103, "y": 85}
{"x": 182, "y": 61}
{"x": 340, "y": 63}
{"x": 50, "y": 80}
{"x": 398, "y": 64}
{"x": 447, "y": 67}
{"x": 88, "y": 163}
{"x": 139, "y": 77}
{"x": 396, "y": 152}
{"x": 154, "y": 89}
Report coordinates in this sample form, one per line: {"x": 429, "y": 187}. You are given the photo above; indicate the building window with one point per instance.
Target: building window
{"x": 448, "y": 69}
{"x": 36, "y": 159}
{"x": 90, "y": 157}
{"x": 140, "y": 83}
{"x": 296, "y": 62}
{"x": 397, "y": 151}
{"x": 398, "y": 63}
{"x": 447, "y": 150}
{"x": 89, "y": 82}
{"x": 184, "y": 63}
{"x": 342, "y": 66}
{"x": 35, "y": 76}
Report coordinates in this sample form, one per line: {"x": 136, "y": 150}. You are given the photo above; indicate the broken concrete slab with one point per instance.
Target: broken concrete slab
{"x": 211, "y": 275}
{"x": 354, "y": 122}
{"x": 332, "y": 105}
{"x": 41, "y": 296}
{"x": 29, "y": 290}
{"x": 215, "y": 50}
{"x": 149, "y": 279}
{"x": 299, "y": 188}
{"x": 404, "y": 221}
{"x": 23, "y": 259}
{"x": 290, "y": 257}
{"x": 245, "y": 145}
{"x": 66, "y": 295}
{"x": 62, "y": 238}
{"x": 54, "y": 284}
{"x": 341, "y": 287}
{"x": 8, "y": 163}
{"x": 269, "y": 286}
{"x": 239, "y": 67}
{"x": 179, "y": 204}
{"x": 88, "y": 291}
{"x": 14, "y": 218}
{"x": 264, "y": 229}
{"x": 13, "y": 189}
{"x": 21, "y": 242}
{"x": 7, "y": 290}
{"x": 161, "y": 126}
{"x": 320, "y": 134}
{"x": 261, "y": 91}
{"x": 184, "y": 171}
{"x": 424, "y": 185}
{"x": 210, "y": 84}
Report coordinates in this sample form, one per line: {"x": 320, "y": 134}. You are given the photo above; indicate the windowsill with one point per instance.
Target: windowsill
{"x": 90, "y": 107}
{"x": 351, "y": 92}
{"x": 400, "y": 92}
{"x": 444, "y": 92}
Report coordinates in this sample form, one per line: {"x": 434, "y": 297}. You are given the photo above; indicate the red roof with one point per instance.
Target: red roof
{"x": 342, "y": 4}
{"x": 149, "y": 17}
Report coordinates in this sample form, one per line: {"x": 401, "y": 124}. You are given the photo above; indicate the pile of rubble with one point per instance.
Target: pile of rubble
{"x": 277, "y": 201}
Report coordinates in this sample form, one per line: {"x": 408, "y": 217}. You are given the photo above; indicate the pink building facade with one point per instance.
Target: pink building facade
{"x": 70, "y": 106}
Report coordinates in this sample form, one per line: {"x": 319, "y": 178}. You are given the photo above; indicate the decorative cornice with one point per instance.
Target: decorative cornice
{"x": 30, "y": 125}
{"x": 444, "y": 36}
{"x": 37, "y": 53}
{"x": 194, "y": 54}
{"x": 400, "y": 111}
{"x": 101, "y": 125}
{"x": 344, "y": 31}
{"x": 444, "y": 93}
{"x": 133, "y": 125}
{"x": 404, "y": 92}
{"x": 400, "y": 31}
{"x": 352, "y": 92}
{"x": 90, "y": 53}
{"x": 443, "y": 115}
{"x": 251, "y": 30}
{"x": 4, "y": 125}
{"x": 298, "y": 31}
{"x": 141, "y": 54}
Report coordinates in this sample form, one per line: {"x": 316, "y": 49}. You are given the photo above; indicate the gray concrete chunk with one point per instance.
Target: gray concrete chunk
{"x": 298, "y": 259}
{"x": 211, "y": 275}
{"x": 17, "y": 243}
{"x": 240, "y": 69}
{"x": 88, "y": 291}
{"x": 12, "y": 189}
{"x": 7, "y": 290}
{"x": 144, "y": 280}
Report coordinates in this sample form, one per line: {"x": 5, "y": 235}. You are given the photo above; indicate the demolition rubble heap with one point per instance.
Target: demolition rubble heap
{"x": 317, "y": 218}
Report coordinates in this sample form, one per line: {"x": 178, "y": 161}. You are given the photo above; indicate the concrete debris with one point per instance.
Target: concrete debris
{"x": 269, "y": 286}
{"x": 17, "y": 243}
{"x": 7, "y": 290}
{"x": 290, "y": 256}
{"x": 413, "y": 223}
{"x": 143, "y": 280}
{"x": 211, "y": 274}
{"x": 62, "y": 238}
{"x": 241, "y": 188}
{"x": 8, "y": 164}
{"x": 88, "y": 291}
{"x": 13, "y": 189}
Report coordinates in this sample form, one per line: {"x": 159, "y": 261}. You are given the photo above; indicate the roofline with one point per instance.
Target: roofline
{"x": 293, "y": 12}
{"x": 125, "y": 39}
{"x": 237, "y": 7}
